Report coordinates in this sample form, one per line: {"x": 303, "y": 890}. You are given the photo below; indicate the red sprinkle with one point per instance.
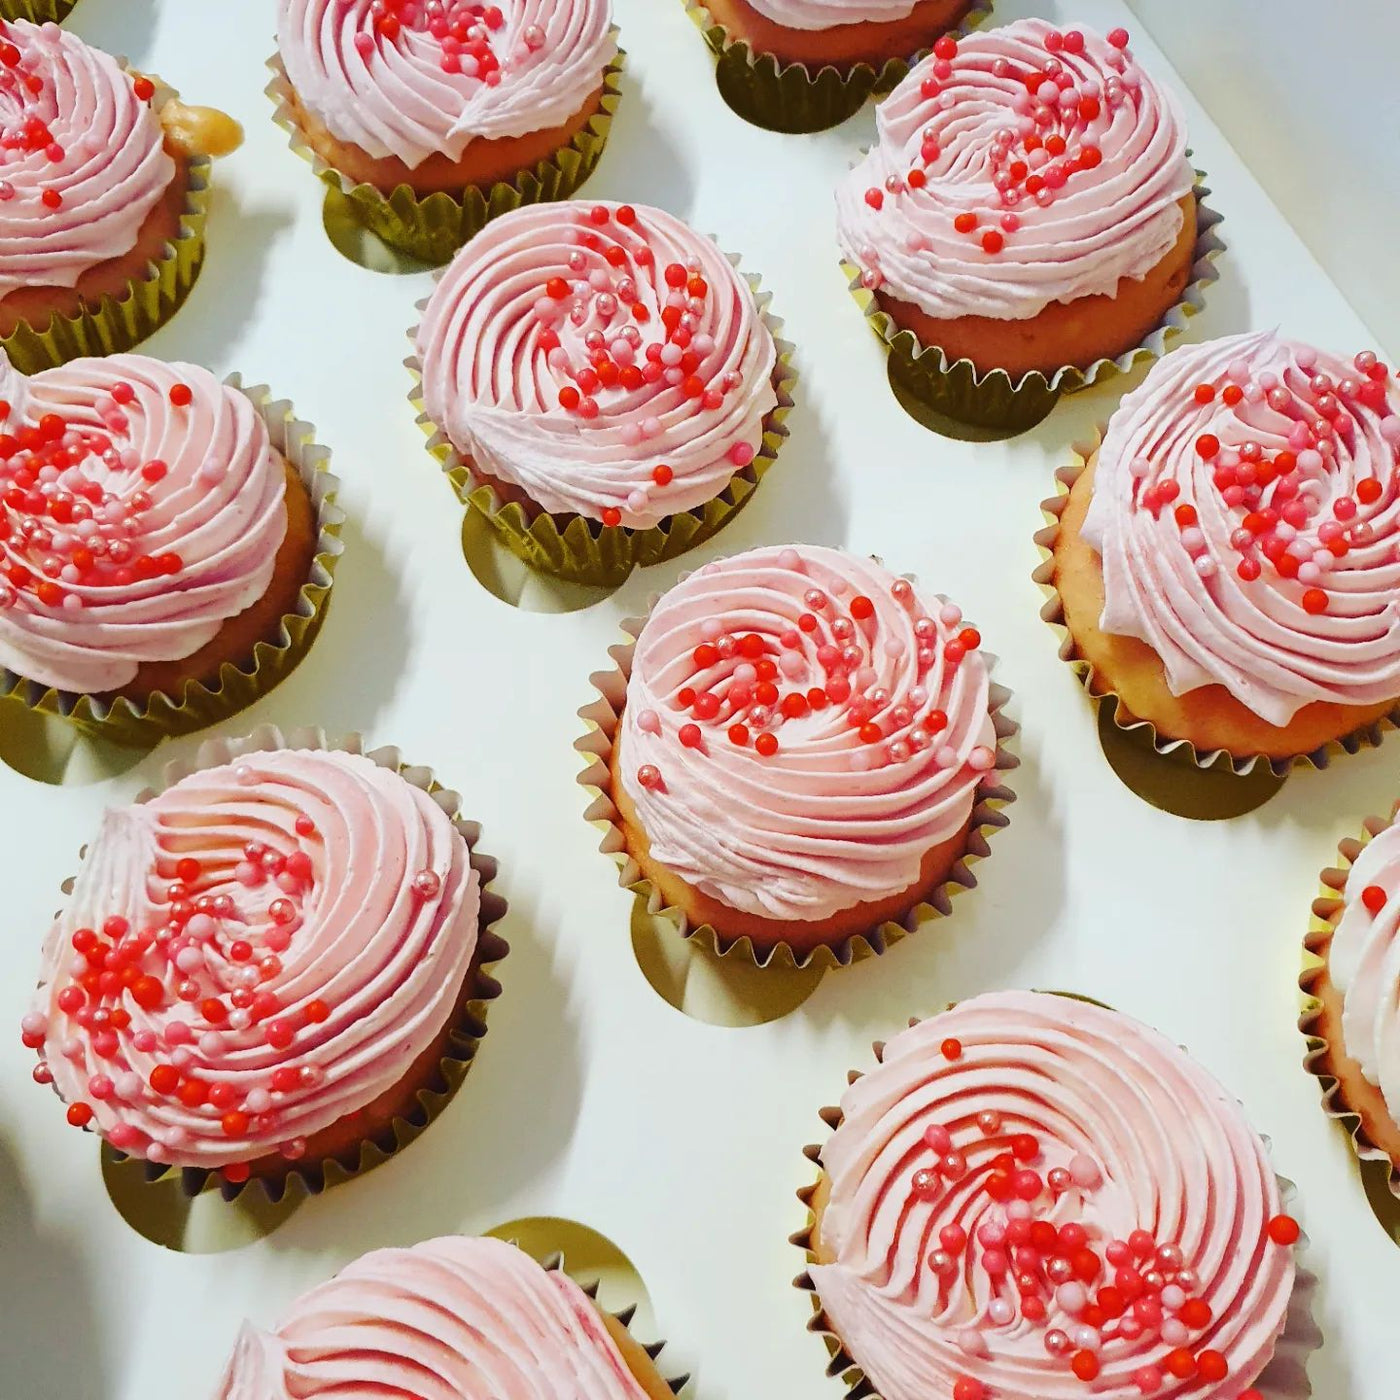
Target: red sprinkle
{"x": 1283, "y": 1229}
{"x": 144, "y": 88}
{"x": 1373, "y": 897}
{"x": 952, "y": 1049}
{"x": 180, "y": 395}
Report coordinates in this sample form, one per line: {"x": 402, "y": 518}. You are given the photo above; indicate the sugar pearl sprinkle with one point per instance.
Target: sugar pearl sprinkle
{"x": 1292, "y": 483}
{"x": 1036, "y": 134}
{"x": 1011, "y": 1207}
{"x": 839, "y": 673}
{"x": 626, "y": 344}
{"x": 76, "y": 502}
{"x": 199, "y": 1008}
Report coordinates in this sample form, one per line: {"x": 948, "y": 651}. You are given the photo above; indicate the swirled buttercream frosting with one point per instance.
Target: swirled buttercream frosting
{"x": 257, "y": 951}
{"x": 1032, "y": 1198}
{"x": 82, "y": 157}
{"x": 410, "y": 80}
{"x": 801, "y": 728}
{"x": 606, "y": 360}
{"x": 141, "y": 507}
{"x": 455, "y": 1318}
{"x": 1017, "y": 167}
{"x": 1247, "y": 512}
{"x": 1363, "y": 962}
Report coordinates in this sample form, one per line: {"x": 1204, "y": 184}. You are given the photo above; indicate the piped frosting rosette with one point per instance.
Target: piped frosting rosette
{"x": 410, "y": 80}
{"x": 1033, "y": 1197}
{"x": 1247, "y": 513}
{"x": 1014, "y": 168}
{"x": 259, "y": 950}
{"x": 798, "y": 728}
{"x": 1351, "y": 979}
{"x": 793, "y": 97}
{"x": 142, "y": 506}
{"x": 86, "y": 165}
{"x": 449, "y": 1319}
{"x": 600, "y": 361}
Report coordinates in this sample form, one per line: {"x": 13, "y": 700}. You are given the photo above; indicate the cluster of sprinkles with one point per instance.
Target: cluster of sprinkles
{"x": 176, "y": 996}
{"x": 746, "y": 685}
{"x": 464, "y": 33}
{"x": 618, "y": 360}
{"x": 24, "y": 135}
{"x": 1139, "y": 1289}
{"x": 1053, "y": 135}
{"x": 64, "y": 529}
{"x": 1287, "y": 520}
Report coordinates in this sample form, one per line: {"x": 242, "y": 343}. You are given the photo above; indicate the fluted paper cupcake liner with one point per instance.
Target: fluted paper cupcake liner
{"x": 581, "y": 550}
{"x": 623, "y": 1318}
{"x": 603, "y": 716}
{"x": 1284, "y": 1378}
{"x": 791, "y": 97}
{"x": 145, "y": 723}
{"x": 1179, "y": 750}
{"x": 1319, "y": 1061}
{"x": 995, "y": 400}
{"x": 311, "y": 1178}
{"x": 118, "y": 323}
{"x": 36, "y": 11}
{"x": 432, "y": 227}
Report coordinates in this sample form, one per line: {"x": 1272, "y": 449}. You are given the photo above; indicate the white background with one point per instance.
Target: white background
{"x": 594, "y": 1098}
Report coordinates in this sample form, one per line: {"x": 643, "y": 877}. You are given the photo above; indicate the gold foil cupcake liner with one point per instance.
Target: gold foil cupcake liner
{"x": 36, "y": 11}
{"x": 118, "y": 323}
{"x": 312, "y": 1178}
{"x": 142, "y": 724}
{"x": 1182, "y": 751}
{"x": 994, "y": 400}
{"x": 791, "y": 97}
{"x": 432, "y": 227}
{"x": 581, "y": 550}
{"x": 1326, "y": 911}
{"x": 1284, "y": 1378}
{"x": 603, "y": 717}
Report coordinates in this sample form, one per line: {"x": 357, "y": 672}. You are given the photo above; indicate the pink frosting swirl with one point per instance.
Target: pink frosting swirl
{"x": 1364, "y": 965}
{"x": 132, "y": 526}
{"x": 1070, "y": 1145}
{"x": 450, "y": 1319}
{"x": 982, "y": 197}
{"x": 398, "y": 80}
{"x": 828, "y": 14}
{"x": 74, "y": 131}
{"x": 1247, "y": 512}
{"x": 261, "y": 949}
{"x": 605, "y": 359}
{"x": 863, "y": 730}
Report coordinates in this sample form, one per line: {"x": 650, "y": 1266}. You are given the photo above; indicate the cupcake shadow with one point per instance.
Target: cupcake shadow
{"x": 49, "y": 1281}
{"x": 123, "y": 27}
{"x": 638, "y": 142}
{"x": 50, "y": 750}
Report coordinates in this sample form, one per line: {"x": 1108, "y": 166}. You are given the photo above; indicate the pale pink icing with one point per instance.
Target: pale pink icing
{"x": 832, "y": 819}
{"x": 1167, "y": 1152}
{"x": 112, "y": 167}
{"x": 827, "y": 14}
{"x": 220, "y": 507}
{"x": 387, "y": 959}
{"x": 1116, "y": 220}
{"x": 1183, "y": 594}
{"x": 493, "y": 385}
{"x": 450, "y": 1319}
{"x": 392, "y": 97}
{"x": 1364, "y": 964}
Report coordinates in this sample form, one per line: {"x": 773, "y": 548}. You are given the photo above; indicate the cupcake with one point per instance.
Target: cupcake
{"x": 1027, "y": 207}
{"x": 1354, "y": 990}
{"x": 261, "y": 968}
{"x": 102, "y": 189}
{"x": 1036, "y": 1135}
{"x": 605, "y": 379}
{"x": 434, "y": 118}
{"x": 1225, "y": 563}
{"x": 804, "y": 749}
{"x": 152, "y": 536}
{"x": 455, "y": 1318}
